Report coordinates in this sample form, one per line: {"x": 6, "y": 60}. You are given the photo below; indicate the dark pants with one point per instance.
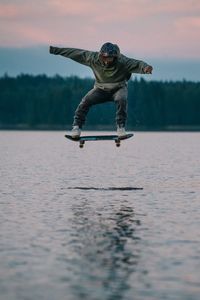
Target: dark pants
{"x": 97, "y": 96}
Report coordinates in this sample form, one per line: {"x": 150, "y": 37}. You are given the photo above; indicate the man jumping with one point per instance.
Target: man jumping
{"x": 112, "y": 70}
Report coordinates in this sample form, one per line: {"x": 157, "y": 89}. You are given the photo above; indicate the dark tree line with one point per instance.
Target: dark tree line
{"x": 28, "y": 101}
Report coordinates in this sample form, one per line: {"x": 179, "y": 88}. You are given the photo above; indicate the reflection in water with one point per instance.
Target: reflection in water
{"x": 106, "y": 249}
{"x": 128, "y": 188}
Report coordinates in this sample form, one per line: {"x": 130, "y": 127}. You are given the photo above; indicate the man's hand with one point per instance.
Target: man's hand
{"x": 148, "y": 70}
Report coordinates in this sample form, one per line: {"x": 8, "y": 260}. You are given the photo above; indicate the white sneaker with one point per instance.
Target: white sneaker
{"x": 76, "y": 132}
{"x": 121, "y": 131}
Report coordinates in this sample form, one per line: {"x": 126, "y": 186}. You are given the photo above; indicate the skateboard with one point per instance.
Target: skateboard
{"x": 87, "y": 138}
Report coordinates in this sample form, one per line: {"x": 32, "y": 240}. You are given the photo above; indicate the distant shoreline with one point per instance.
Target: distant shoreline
{"x": 42, "y": 103}
{"x": 43, "y": 127}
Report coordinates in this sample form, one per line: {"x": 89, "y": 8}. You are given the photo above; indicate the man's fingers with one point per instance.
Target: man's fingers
{"x": 148, "y": 70}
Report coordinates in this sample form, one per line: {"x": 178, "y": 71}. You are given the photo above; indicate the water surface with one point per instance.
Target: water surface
{"x": 100, "y": 222}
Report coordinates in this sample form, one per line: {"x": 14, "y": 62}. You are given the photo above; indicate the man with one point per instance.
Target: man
{"x": 112, "y": 70}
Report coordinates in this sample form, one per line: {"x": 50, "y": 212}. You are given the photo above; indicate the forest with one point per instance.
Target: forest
{"x": 42, "y": 102}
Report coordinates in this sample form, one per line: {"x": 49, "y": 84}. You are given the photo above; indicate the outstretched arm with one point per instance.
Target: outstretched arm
{"x": 79, "y": 55}
{"x": 138, "y": 66}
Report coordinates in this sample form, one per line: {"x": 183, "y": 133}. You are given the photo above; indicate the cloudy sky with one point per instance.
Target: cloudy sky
{"x": 165, "y": 33}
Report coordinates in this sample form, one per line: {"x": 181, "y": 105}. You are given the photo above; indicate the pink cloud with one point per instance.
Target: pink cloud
{"x": 77, "y": 7}
{"x": 24, "y": 35}
{"x": 8, "y": 11}
{"x": 148, "y": 27}
{"x": 123, "y": 9}
{"x": 189, "y": 24}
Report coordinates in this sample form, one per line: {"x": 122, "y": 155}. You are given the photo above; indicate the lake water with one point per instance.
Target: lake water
{"x": 99, "y": 223}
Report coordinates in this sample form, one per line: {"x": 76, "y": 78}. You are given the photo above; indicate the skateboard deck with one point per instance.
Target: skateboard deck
{"x": 83, "y": 139}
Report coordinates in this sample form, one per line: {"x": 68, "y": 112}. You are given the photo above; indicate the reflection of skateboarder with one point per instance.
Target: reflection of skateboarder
{"x": 112, "y": 70}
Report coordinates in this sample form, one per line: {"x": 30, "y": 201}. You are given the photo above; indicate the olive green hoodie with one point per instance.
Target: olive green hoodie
{"x": 106, "y": 77}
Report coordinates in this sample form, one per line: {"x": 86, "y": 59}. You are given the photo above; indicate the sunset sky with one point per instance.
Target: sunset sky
{"x": 160, "y": 31}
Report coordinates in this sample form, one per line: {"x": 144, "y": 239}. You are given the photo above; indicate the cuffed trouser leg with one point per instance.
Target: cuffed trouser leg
{"x": 120, "y": 98}
{"x": 95, "y": 96}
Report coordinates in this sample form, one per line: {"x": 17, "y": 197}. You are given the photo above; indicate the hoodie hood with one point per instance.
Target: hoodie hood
{"x": 109, "y": 49}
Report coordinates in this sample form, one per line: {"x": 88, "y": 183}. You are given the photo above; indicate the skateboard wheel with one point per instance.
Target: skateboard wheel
{"x": 81, "y": 144}
{"x": 117, "y": 143}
